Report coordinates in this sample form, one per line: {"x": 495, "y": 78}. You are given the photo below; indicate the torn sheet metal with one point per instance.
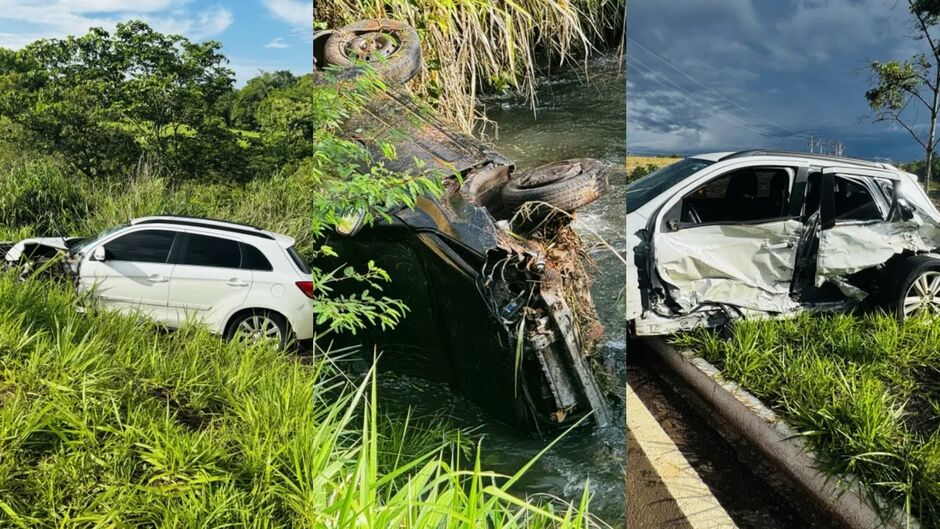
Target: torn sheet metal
{"x": 851, "y": 248}
{"x": 748, "y": 266}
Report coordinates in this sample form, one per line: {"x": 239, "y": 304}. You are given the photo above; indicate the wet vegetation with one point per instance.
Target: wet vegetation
{"x": 474, "y": 46}
{"x": 863, "y": 390}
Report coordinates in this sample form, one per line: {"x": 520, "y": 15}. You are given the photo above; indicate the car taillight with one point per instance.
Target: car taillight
{"x": 306, "y": 287}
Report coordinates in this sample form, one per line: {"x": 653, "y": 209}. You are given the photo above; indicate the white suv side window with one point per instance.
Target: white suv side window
{"x": 145, "y": 246}
{"x": 205, "y": 250}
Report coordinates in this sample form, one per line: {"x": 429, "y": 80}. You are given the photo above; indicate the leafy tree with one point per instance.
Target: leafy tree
{"x": 102, "y": 100}
{"x": 247, "y": 100}
{"x": 901, "y": 88}
{"x": 284, "y": 120}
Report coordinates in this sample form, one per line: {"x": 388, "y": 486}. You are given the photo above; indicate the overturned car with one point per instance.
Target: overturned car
{"x": 724, "y": 236}
{"x": 499, "y": 301}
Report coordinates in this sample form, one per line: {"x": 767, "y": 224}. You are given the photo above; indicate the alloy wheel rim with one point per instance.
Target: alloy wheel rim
{"x": 257, "y": 328}
{"x": 923, "y": 296}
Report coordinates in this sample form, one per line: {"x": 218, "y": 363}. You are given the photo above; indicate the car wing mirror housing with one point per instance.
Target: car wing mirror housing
{"x": 351, "y": 223}
{"x": 99, "y": 254}
{"x": 906, "y": 210}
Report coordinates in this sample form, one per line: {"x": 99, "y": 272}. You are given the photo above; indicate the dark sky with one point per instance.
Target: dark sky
{"x": 761, "y": 74}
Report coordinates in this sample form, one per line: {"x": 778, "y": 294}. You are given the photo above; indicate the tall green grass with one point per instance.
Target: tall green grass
{"x": 487, "y": 44}
{"x": 40, "y": 197}
{"x": 863, "y": 390}
{"x": 105, "y": 422}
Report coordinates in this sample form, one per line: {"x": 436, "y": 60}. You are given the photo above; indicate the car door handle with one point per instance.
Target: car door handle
{"x": 778, "y": 246}
{"x": 156, "y": 278}
{"x": 236, "y": 283}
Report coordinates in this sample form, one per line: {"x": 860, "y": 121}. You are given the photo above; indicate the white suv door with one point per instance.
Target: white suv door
{"x": 135, "y": 274}
{"x": 208, "y": 280}
{"x": 732, "y": 240}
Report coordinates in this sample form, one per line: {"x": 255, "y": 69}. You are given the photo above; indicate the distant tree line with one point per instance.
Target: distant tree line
{"x": 103, "y": 102}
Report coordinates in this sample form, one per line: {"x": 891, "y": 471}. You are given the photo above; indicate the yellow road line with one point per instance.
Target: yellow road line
{"x": 699, "y": 506}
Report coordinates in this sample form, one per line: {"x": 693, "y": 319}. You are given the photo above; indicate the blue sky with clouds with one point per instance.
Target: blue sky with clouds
{"x": 707, "y": 75}
{"x": 255, "y": 34}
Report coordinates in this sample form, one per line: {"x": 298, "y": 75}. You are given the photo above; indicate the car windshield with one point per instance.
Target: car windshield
{"x": 81, "y": 245}
{"x": 644, "y": 189}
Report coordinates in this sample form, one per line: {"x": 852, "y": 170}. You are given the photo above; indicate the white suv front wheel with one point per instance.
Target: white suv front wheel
{"x": 260, "y": 325}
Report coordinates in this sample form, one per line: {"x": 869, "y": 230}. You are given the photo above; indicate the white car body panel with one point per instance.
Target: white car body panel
{"x": 750, "y": 265}
{"x": 173, "y": 294}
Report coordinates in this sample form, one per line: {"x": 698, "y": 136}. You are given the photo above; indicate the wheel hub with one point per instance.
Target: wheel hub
{"x": 257, "y": 328}
{"x": 923, "y": 296}
{"x": 372, "y": 46}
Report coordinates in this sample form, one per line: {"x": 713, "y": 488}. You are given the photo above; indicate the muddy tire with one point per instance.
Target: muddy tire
{"x": 566, "y": 185}
{"x": 255, "y": 325}
{"x": 390, "y": 46}
{"x": 913, "y": 287}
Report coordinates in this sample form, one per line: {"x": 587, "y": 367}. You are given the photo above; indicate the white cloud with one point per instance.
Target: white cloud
{"x": 75, "y": 17}
{"x": 297, "y": 13}
{"x": 277, "y": 43}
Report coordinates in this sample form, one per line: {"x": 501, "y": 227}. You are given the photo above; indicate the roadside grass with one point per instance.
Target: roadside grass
{"x": 471, "y": 45}
{"x": 107, "y": 422}
{"x": 864, "y": 391}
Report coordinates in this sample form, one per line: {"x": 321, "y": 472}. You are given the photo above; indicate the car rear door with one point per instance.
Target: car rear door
{"x": 732, "y": 239}
{"x": 134, "y": 277}
{"x": 208, "y": 280}
{"x": 856, "y": 232}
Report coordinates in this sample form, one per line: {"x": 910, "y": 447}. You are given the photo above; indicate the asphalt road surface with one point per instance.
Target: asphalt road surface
{"x": 686, "y": 470}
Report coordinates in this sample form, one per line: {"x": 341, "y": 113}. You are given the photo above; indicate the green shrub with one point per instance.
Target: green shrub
{"x": 42, "y": 195}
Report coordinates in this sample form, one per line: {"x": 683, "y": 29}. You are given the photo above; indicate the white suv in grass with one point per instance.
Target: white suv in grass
{"x": 241, "y": 281}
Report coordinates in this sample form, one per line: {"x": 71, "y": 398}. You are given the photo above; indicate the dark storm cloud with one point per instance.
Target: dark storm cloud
{"x": 735, "y": 74}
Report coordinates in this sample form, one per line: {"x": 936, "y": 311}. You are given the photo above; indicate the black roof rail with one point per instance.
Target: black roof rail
{"x": 812, "y": 156}
{"x": 233, "y": 227}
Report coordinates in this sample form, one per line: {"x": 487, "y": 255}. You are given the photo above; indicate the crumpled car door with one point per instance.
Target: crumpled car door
{"x": 745, "y": 264}
{"x": 859, "y": 230}
{"x": 748, "y": 266}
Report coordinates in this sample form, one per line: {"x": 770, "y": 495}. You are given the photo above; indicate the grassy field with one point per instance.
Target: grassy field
{"x": 106, "y": 422}
{"x": 644, "y": 161}
{"x": 863, "y": 390}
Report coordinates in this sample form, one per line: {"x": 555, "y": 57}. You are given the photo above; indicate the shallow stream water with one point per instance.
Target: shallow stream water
{"x": 579, "y": 114}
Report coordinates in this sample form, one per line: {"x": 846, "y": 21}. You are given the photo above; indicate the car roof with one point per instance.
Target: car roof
{"x": 215, "y": 224}
{"x": 834, "y": 160}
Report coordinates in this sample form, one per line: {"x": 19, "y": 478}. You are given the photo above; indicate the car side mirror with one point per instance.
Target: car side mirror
{"x": 907, "y": 211}
{"x": 99, "y": 254}
{"x": 350, "y": 223}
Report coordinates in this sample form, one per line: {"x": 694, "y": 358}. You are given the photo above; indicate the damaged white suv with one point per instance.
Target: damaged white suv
{"x": 722, "y": 236}
{"x": 242, "y": 282}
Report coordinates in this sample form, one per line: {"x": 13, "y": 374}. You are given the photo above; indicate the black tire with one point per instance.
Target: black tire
{"x": 251, "y": 317}
{"x": 392, "y": 47}
{"x": 566, "y": 185}
{"x": 900, "y": 281}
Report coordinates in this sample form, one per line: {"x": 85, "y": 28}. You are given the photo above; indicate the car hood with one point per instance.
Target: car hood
{"x": 14, "y": 253}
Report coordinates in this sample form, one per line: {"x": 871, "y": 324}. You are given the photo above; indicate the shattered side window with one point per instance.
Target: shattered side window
{"x": 753, "y": 194}
{"x": 643, "y": 190}
{"x": 854, "y": 202}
